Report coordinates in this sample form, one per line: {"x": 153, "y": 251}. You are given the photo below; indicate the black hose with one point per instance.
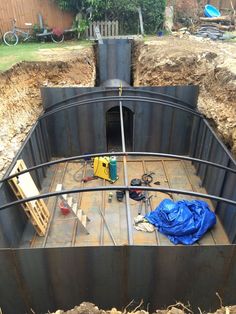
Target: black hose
{"x": 77, "y": 174}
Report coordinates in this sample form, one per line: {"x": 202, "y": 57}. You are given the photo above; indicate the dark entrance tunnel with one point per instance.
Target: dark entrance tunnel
{"x": 113, "y": 131}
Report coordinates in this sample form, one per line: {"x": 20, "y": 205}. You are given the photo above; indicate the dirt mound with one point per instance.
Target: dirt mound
{"x": 179, "y": 308}
{"x": 175, "y": 61}
{"x": 20, "y": 101}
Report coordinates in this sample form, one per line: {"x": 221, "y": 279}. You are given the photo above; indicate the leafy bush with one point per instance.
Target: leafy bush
{"x": 126, "y": 12}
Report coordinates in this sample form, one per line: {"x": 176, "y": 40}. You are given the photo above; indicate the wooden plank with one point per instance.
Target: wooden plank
{"x": 216, "y": 19}
{"x": 97, "y": 24}
{"x": 102, "y": 30}
{"x": 117, "y": 28}
{"x": 91, "y": 30}
{"x": 109, "y": 28}
{"x": 105, "y": 28}
{"x": 113, "y": 29}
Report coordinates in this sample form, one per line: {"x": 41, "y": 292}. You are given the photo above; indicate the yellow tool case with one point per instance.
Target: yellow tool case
{"x": 101, "y": 167}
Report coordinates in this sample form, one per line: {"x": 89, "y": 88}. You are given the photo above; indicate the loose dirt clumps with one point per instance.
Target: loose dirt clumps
{"x": 20, "y": 100}
{"x": 181, "y": 61}
{"x": 178, "y": 308}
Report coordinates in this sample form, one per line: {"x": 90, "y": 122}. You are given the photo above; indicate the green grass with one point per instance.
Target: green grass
{"x": 30, "y": 52}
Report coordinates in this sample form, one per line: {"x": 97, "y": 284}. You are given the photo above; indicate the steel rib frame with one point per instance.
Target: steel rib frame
{"x": 122, "y": 98}
{"x": 62, "y": 160}
{"x": 118, "y": 187}
{"x": 125, "y": 89}
{"x": 128, "y": 211}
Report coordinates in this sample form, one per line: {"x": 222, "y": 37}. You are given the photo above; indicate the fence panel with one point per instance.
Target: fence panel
{"x": 26, "y": 11}
{"x": 107, "y": 29}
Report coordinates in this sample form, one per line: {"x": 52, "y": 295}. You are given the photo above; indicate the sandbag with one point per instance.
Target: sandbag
{"x": 183, "y": 222}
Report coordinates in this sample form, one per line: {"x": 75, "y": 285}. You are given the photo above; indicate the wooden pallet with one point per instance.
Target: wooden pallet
{"x": 23, "y": 186}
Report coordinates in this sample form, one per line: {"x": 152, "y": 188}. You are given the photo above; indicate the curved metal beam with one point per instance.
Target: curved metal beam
{"x": 122, "y": 187}
{"x": 126, "y": 89}
{"x": 74, "y": 158}
{"x": 121, "y": 98}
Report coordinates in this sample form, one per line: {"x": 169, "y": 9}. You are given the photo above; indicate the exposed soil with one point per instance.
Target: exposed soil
{"x": 211, "y": 65}
{"x": 179, "y": 308}
{"x": 20, "y": 101}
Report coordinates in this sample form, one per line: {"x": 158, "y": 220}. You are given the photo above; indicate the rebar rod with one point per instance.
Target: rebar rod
{"x": 74, "y": 158}
{"x": 118, "y": 187}
{"x": 128, "y": 211}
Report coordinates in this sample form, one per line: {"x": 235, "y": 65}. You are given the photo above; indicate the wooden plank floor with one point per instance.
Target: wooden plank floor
{"x": 65, "y": 231}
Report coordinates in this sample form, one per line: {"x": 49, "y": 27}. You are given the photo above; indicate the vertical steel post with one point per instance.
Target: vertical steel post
{"x": 128, "y": 211}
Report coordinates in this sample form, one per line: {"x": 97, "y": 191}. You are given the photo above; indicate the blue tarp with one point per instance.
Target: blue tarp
{"x": 183, "y": 222}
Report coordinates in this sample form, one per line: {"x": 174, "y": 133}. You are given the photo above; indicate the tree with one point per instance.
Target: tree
{"x": 126, "y": 11}
{"x": 83, "y": 10}
{"x": 76, "y": 5}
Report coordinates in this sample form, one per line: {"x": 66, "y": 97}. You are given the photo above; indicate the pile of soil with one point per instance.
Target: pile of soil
{"x": 188, "y": 61}
{"x": 20, "y": 100}
{"x": 179, "y": 308}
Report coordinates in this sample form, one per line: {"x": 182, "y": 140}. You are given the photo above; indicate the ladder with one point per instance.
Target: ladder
{"x": 73, "y": 206}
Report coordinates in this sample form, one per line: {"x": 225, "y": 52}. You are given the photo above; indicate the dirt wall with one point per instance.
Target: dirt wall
{"x": 212, "y": 66}
{"x": 20, "y": 101}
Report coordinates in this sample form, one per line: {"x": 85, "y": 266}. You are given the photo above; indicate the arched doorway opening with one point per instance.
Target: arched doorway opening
{"x": 113, "y": 129}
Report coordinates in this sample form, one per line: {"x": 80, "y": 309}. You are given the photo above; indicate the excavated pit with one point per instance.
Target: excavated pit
{"x": 106, "y": 275}
{"x": 162, "y": 62}
{"x": 20, "y": 100}
{"x": 211, "y": 65}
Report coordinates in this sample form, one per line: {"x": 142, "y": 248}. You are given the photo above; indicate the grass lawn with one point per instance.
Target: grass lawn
{"x": 31, "y": 52}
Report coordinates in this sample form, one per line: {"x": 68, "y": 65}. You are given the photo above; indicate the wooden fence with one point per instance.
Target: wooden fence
{"x": 107, "y": 29}
{"x": 26, "y": 11}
